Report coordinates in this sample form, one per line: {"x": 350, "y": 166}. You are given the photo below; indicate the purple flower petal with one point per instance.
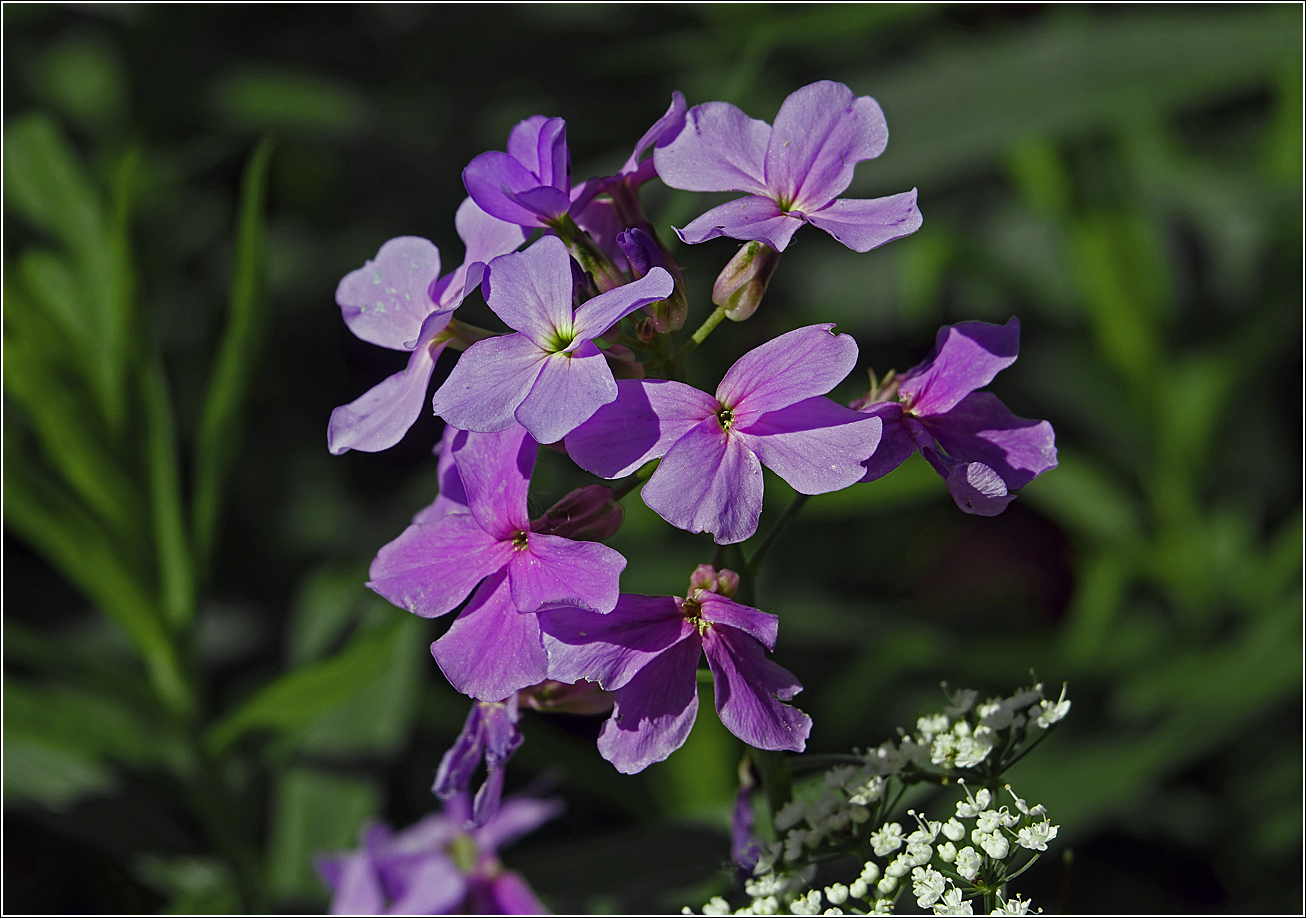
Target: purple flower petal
{"x": 434, "y": 887}
{"x": 980, "y": 428}
{"x": 570, "y": 388}
{"x": 355, "y": 886}
{"x": 597, "y": 315}
{"x": 895, "y": 445}
{"x": 719, "y": 149}
{"x": 431, "y": 568}
{"x": 492, "y": 650}
{"x": 611, "y": 648}
{"x": 722, "y": 611}
{"x": 379, "y": 418}
{"x": 486, "y": 238}
{"x": 547, "y": 204}
{"x": 598, "y": 217}
{"x": 966, "y": 357}
{"x": 655, "y": 711}
{"x": 505, "y": 894}
{"x": 531, "y": 291}
{"x": 865, "y": 224}
{"x": 710, "y": 481}
{"x": 540, "y": 144}
{"x": 795, "y": 366}
{"x": 821, "y": 133}
{"x": 978, "y": 489}
{"x": 488, "y": 382}
{"x": 816, "y": 445}
{"x": 750, "y": 690}
{"x": 752, "y": 219}
{"x": 495, "y": 470}
{"x": 452, "y": 497}
{"x": 385, "y": 301}
{"x": 664, "y": 131}
{"x": 491, "y": 177}
{"x": 460, "y": 761}
{"x": 552, "y": 570}
{"x": 517, "y": 817}
{"x": 647, "y": 417}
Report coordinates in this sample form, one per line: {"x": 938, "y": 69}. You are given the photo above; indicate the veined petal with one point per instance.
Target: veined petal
{"x": 492, "y": 650}
{"x": 385, "y": 301}
{"x": 379, "y": 418}
{"x": 750, "y": 691}
{"x": 821, "y": 133}
{"x": 966, "y": 357}
{"x": 815, "y": 445}
{"x": 597, "y": 315}
{"x": 865, "y": 224}
{"x": 895, "y": 444}
{"x": 655, "y": 711}
{"x": 540, "y": 144}
{"x": 647, "y": 416}
{"x": 797, "y": 365}
{"x": 489, "y": 176}
{"x": 710, "y": 481}
{"x": 495, "y": 470}
{"x": 485, "y": 238}
{"x": 488, "y": 382}
{"x": 978, "y": 489}
{"x": 611, "y": 648}
{"x": 531, "y": 291}
{"x": 552, "y": 570}
{"x": 720, "y": 610}
{"x": 569, "y": 389}
{"x": 719, "y": 149}
{"x": 431, "y": 568}
{"x": 754, "y": 219}
{"x": 548, "y": 204}
{"x": 980, "y": 428}
{"x": 664, "y": 131}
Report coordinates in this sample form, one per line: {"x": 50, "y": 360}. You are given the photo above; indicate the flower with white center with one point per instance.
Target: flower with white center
{"x": 995, "y": 844}
{"x": 1046, "y": 713}
{"x": 837, "y": 894}
{"x": 1037, "y": 836}
{"x": 973, "y": 806}
{"x": 952, "y": 904}
{"x": 789, "y": 816}
{"x": 887, "y": 839}
{"x": 947, "y": 852}
{"x": 927, "y": 885}
{"x": 954, "y": 830}
{"x": 715, "y": 906}
{"x": 968, "y": 862}
{"x": 1016, "y": 906}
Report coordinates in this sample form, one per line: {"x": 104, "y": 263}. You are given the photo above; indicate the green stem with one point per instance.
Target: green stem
{"x": 773, "y": 533}
{"x": 634, "y": 481}
{"x": 700, "y": 335}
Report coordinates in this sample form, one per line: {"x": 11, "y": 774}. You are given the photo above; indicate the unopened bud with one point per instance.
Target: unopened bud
{"x": 559, "y": 697}
{"x": 706, "y": 577}
{"x": 589, "y": 514}
{"x": 740, "y": 285}
{"x": 644, "y": 254}
{"x": 622, "y": 361}
{"x": 640, "y": 250}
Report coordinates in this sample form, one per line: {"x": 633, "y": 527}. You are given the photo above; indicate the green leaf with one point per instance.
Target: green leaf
{"x": 287, "y": 101}
{"x": 84, "y": 76}
{"x": 46, "y": 184}
{"x": 194, "y": 885}
{"x": 314, "y": 814}
{"x": 51, "y": 776}
{"x": 93, "y": 725}
{"x": 326, "y": 604}
{"x": 176, "y": 573}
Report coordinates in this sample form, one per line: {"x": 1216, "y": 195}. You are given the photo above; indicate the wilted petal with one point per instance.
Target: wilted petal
{"x": 570, "y": 388}
{"x": 488, "y": 382}
{"x": 966, "y": 357}
{"x": 982, "y": 429}
{"x": 751, "y": 219}
{"x": 978, "y": 489}
{"x": 495, "y": 470}
{"x": 708, "y": 481}
{"x": 552, "y": 570}
{"x": 647, "y": 416}
{"x": 531, "y": 290}
{"x": 664, "y": 131}
{"x": 816, "y": 445}
{"x": 719, "y": 149}
{"x": 722, "y": 611}
{"x": 460, "y": 761}
{"x": 431, "y": 568}
{"x": 895, "y": 444}
{"x": 655, "y": 711}
{"x": 750, "y": 690}
{"x": 865, "y": 224}
{"x": 797, "y": 365}
{"x": 379, "y": 418}
{"x": 611, "y": 648}
{"x": 385, "y": 301}
{"x": 597, "y": 315}
{"x": 492, "y": 650}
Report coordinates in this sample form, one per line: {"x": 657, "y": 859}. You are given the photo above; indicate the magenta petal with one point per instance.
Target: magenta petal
{"x": 452, "y": 497}
{"x": 816, "y": 446}
{"x": 664, "y": 131}
{"x": 978, "y": 489}
{"x": 492, "y": 650}
{"x": 722, "y": 611}
{"x": 966, "y": 357}
{"x": 355, "y": 884}
{"x": 431, "y": 568}
{"x": 517, "y": 817}
{"x": 570, "y": 388}
{"x": 495, "y": 470}
{"x": 895, "y": 445}
{"x": 385, "y": 301}
{"x": 821, "y": 133}
{"x": 434, "y": 886}
{"x": 865, "y": 224}
{"x": 797, "y": 365}
{"x": 506, "y": 894}
{"x": 980, "y": 428}
{"x": 611, "y": 648}
{"x": 647, "y": 417}
{"x": 753, "y": 219}
{"x": 553, "y": 570}
{"x": 531, "y": 291}
{"x": 750, "y": 690}
{"x": 655, "y": 711}
{"x": 548, "y": 204}
{"x": 597, "y": 315}
{"x": 719, "y": 149}
{"x": 489, "y": 175}
{"x": 379, "y": 418}
{"x": 708, "y": 481}
{"x": 488, "y": 382}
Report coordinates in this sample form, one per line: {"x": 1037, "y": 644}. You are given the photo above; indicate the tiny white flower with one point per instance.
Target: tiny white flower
{"x": 918, "y": 853}
{"x": 867, "y": 792}
{"x": 887, "y": 839}
{"x": 973, "y": 806}
{"x": 947, "y": 852}
{"x": 927, "y": 885}
{"x": 794, "y": 844}
{"x": 1026, "y": 697}
{"x": 832, "y": 911}
{"x": 886, "y": 885}
{"x": 929, "y": 726}
{"x": 885, "y": 759}
{"x": 882, "y": 907}
{"x": 1047, "y": 712}
{"x": 857, "y": 889}
{"x": 1016, "y": 906}
{"x": 990, "y": 820}
{"x": 839, "y": 776}
{"x": 716, "y": 906}
{"x": 995, "y": 714}
{"x": 968, "y": 862}
{"x": 952, "y": 904}
{"x": 767, "y": 885}
{"x": 899, "y": 866}
{"x": 954, "y": 830}
{"x": 961, "y": 702}
{"x": 973, "y": 749}
{"x": 1037, "y": 836}
{"x": 995, "y": 844}
{"x": 767, "y": 858}
{"x": 789, "y": 816}
{"x": 837, "y": 894}
{"x": 870, "y": 872}
{"x": 809, "y": 904}
{"x": 768, "y": 906}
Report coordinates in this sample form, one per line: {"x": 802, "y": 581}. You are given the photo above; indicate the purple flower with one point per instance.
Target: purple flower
{"x": 490, "y": 733}
{"x": 981, "y": 449}
{"x": 493, "y": 648}
{"x": 793, "y": 172}
{"x": 399, "y": 301}
{"x": 768, "y": 410}
{"x": 647, "y": 651}
{"x": 530, "y": 184}
{"x": 549, "y": 376}
{"x": 441, "y": 865}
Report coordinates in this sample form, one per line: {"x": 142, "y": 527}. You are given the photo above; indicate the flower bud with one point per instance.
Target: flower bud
{"x": 588, "y": 514}
{"x": 706, "y": 577}
{"x": 640, "y": 250}
{"x": 644, "y": 254}
{"x": 622, "y": 361}
{"x": 740, "y": 285}
{"x": 582, "y": 698}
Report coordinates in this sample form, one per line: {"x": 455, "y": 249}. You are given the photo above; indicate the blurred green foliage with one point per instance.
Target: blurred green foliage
{"x": 1125, "y": 180}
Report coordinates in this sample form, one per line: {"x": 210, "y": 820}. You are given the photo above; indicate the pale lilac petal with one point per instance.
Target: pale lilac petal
{"x": 434, "y": 886}
{"x": 797, "y": 365}
{"x": 517, "y": 817}
{"x": 719, "y": 149}
{"x": 490, "y": 177}
{"x": 488, "y": 382}
{"x": 540, "y": 144}
{"x": 753, "y": 219}
{"x": 431, "y": 568}
{"x": 720, "y": 610}
{"x": 865, "y": 224}
{"x": 531, "y": 291}
{"x": 495, "y": 469}
{"x": 570, "y": 388}
{"x": 507, "y": 894}
{"x": 385, "y": 301}
{"x": 966, "y": 357}
{"x": 655, "y": 711}
{"x": 553, "y": 570}
{"x": 980, "y": 428}
{"x": 354, "y": 883}
{"x": 597, "y": 315}
{"x": 492, "y": 650}
{"x": 978, "y": 489}
{"x": 817, "y": 445}
{"x": 611, "y": 648}
{"x": 452, "y": 497}
{"x": 750, "y": 690}
{"x": 379, "y": 418}
{"x": 895, "y": 445}
{"x": 821, "y": 133}
{"x": 664, "y": 131}
{"x": 486, "y": 238}
{"x": 647, "y": 417}
{"x": 708, "y": 481}
{"x": 598, "y": 217}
